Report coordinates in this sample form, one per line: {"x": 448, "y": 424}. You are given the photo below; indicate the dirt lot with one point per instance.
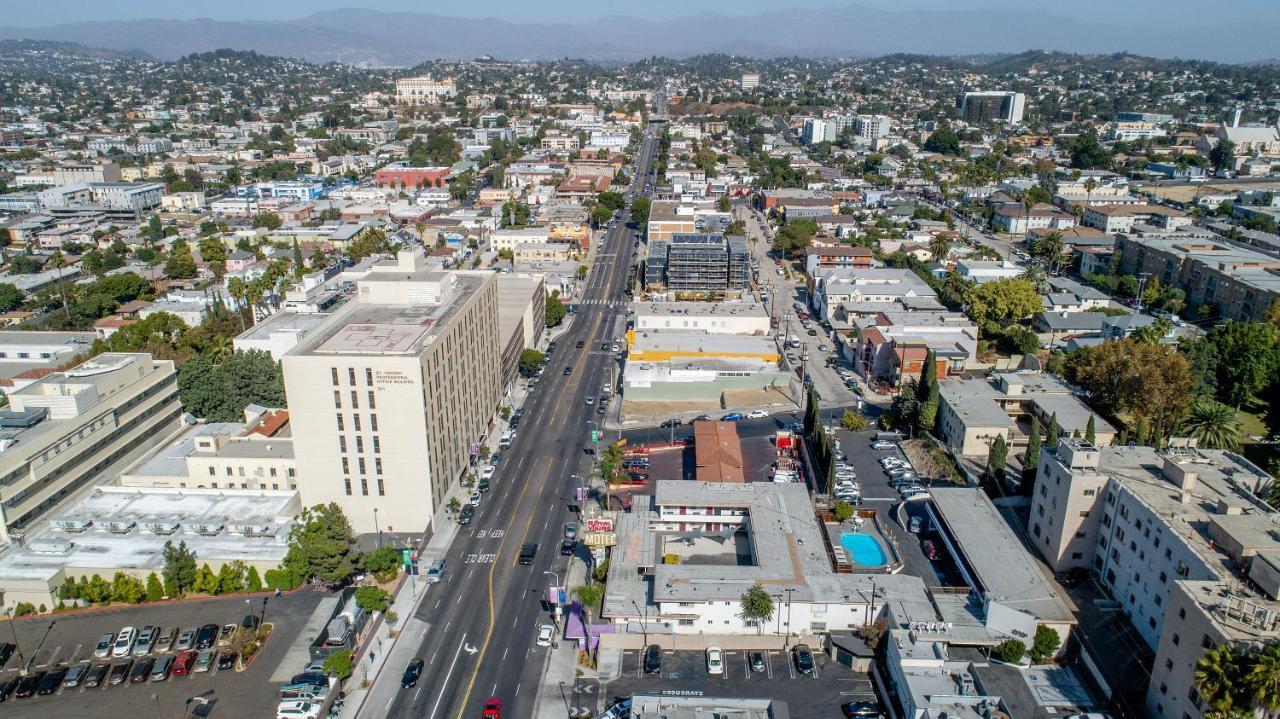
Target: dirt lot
{"x": 1186, "y": 193}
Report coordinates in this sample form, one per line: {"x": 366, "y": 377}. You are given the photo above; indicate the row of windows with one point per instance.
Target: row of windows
{"x": 213, "y": 472}
{"x": 342, "y": 444}
{"x": 364, "y": 486}
{"x": 351, "y": 376}
{"x": 355, "y": 399}
{"x": 355, "y": 422}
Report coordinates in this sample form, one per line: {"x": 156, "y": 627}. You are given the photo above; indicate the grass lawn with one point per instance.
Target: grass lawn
{"x": 1251, "y": 424}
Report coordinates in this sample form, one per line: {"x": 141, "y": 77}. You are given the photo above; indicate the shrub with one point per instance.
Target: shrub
{"x": 1045, "y": 644}
{"x": 1011, "y": 651}
{"x": 842, "y": 511}
{"x": 22, "y": 609}
{"x": 372, "y": 599}
{"x": 339, "y": 664}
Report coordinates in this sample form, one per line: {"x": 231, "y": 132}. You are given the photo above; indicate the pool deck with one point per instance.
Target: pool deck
{"x": 840, "y": 559}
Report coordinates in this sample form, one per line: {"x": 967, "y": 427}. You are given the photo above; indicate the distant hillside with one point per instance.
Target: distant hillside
{"x": 368, "y": 37}
{"x": 14, "y": 46}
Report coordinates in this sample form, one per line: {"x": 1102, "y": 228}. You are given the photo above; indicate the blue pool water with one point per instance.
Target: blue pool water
{"x": 864, "y": 549}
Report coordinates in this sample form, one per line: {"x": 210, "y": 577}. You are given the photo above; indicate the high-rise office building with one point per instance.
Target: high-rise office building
{"x": 388, "y": 399}
{"x": 993, "y": 106}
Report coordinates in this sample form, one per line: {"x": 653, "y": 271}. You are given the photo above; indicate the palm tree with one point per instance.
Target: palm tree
{"x": 939, "y": 246}
{"x": 1090, "y": 185}
{"x": 1213, "y": 424}
{"x": 1263, "y": 679}
{"x": 1215, "y": 678}
{"x": 59, "y": 262}
{"x": 238, "y": 291}
{"x": 421, "y": 229}
{"x": 1051, "y": 247}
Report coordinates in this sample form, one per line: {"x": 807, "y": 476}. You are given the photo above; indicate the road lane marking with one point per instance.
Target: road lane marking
{"x": 452, "y": 664}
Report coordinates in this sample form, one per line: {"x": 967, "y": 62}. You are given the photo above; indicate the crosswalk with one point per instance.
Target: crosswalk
{"x": 616, "y": 304}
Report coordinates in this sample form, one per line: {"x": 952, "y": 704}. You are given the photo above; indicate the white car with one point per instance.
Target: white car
{"x": 545, "y": 633}
{"x": 881, "y": 445}
{"x": 124, "y": 642}
{"x": 715, "y": 661}
{"x": 298, "y": 710}
{"x": 891, "y": 462}
{"x": 913, "y": 494}
{"x": 488, "y": 471}
{"x": 474, "y": 499}
{"x": 757, "y": 414}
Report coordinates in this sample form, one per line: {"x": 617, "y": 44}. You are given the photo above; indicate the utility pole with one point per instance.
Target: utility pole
{"x": 787, "y": 638}
{"x": 1142, "y": 281}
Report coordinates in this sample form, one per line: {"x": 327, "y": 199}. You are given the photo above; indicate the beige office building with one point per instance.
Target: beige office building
{"x": 387, "y": 398}
{"x": 60, "y": 432}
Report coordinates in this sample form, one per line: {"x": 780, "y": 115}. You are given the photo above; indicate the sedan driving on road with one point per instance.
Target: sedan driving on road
{"x": 411, "y": 673}
{"x": 757, "y": 414}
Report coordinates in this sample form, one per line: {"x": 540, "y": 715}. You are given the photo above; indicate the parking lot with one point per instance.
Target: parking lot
{"x": 67, "y": 639}
{"x": 685, "y": 673}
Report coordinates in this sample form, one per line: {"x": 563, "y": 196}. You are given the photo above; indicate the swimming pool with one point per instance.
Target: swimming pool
{"x": 864, "y": 549}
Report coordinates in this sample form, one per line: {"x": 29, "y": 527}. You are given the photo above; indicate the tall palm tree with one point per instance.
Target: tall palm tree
{"x": 1051, "y": 247}
{"x": 1213, "y": 424}
{"x": 59, "y": 262}
{"x": 939, "y": 246}
{"x": 1090, "y": 185}
{"x": 1216, "y": 678}
{"x": 238, "y": 291}
{"x": 1263, "y": 680}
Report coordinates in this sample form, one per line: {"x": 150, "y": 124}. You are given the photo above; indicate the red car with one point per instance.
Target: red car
{"x": 492, "y": 709}
{"x": 183, "y": 662}
{"x": 930, "y": 549}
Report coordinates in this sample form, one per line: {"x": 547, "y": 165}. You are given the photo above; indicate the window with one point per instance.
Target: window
{"x": 382, "y": 491}
{"x": 1182, "y": 613}
{"x": 333, "y": 371}
{"x": 1164, "y": 689}
{"x": 377, "y": 465}
{"x": 368, "y": 376}
{"x": 351, "y": 375}
{"x": 377, "y": 446}
{"x": 228, "y": 471}
{"x": 1077, "y": 555}
{"x": 1206, "y": 642}
{"x": 355, "y": 399}
{"x": 364, "y": 486}
{"x": 340, "y": 423}
{"x": 1175, "y": 640}
{"x": 337, "y": 399}
{"x": 1085, "y": 513}
{"x": 342, "y": 443}
{"x": 273, "y": 471}
{"x": 1035, "y": 529}
{"x": 1090, "y": 492}
{"x": 212, "y": 472}
{"x": 355, "y": 422}
{"x": 360, "y": 464}
{"x": 373, "y": 422}
{"x": 359, "y": 443}
{"x": 346, "y": 466}
{"x": 1151, "y": 622}
{"x": 686, "y": 622}
{"x": 372, "y": 404}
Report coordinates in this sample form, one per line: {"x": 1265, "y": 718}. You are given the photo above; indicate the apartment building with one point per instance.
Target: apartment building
{"x": 61, "y": 432}
{"x": 749, "y": 81}
{"x": 424, "y": 90}
{"x": 1178, "y": 537}
{"x": 21, "y": 351}
{"x": 1241, "y": 283}
{"x": 841, "y": 294}
{"x": 894, "y": 346}
{"x": 254, "y": 454}
{"x": 973, "y": 412}
{"x": 387, "y": 397}
{"x": 870, "y": 127}
{"x": 1015, "y": 218}
{"x": 700, "y": 262}
{"x": 845, "y": 256}
{"x": 1117, "y": 219}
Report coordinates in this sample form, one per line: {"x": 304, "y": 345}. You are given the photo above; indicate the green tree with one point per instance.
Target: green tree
{"x": 995, "y": 304}
{"x": 640, "y": 212}
{"x": 155, "y": 590}
{"x": 1248, "y": 359}
{"x": 1030, "y": 459}
{"x": 382, "y": 563}
{"x": 842, "y": 511}
{"x": 372, "y": 599}
{"x": 339, "y": 664}
{"x": 231, "y": 577}
{"x": 1011, "y": 651}
{"x": 1045, "y": 643}
{"x": 1213, "y": 423}
{"x": 531, "y": 361}
{"x": 321, "y": 545}
{"x": 206, "y": 581}
{"x": 852, "y": 421}
{"x": 1150, "y": 382}
{"x": 10, "y": 297}
{"x": 611, "y": 200}
{"x": 794, "y": 236}
{"x": 1218, "y": 679}
{"x": 96, "y": 590}
{"x": 997, "y": 458}
{"x": 756, "y": 606}
{"x": 127, "y": 589}
{"x": 943, "y": 141}
{"x": 253, "y": 582}
{"x": 179, "y": 567}
{"x": 1091, "y": 431}
{"x": 218, "y": 391}
{"x": 180, "y": 264}
{"x": 1087, "y": 153}
{"x": 1222, "y": 156}
{"x": 555, "y": 310}
{"x": 1055, "y": 431}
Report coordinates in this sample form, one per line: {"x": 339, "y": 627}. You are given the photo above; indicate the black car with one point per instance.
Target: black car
{"x": 141, "y": 670}
{"x": 861, "y": 710}
{"x": 551, "y": 348}
{"x": 50, "y": 682}
{"x": 604, "y": 346}
{"x": 580, "y": 344}
{"x": 95, "y": 675}
{"x": 653, "y": 659}
{"x": 6, "y": 651}
{"x": 567, "y": 547}
{"x": 673, "y": 422}
{"x": 119, "y": 672}
{"x": 27, "y": 685}
{"x": 1074, "y": 577}
{"x": 314, "y": 678}
{"x": 803, "y": 659}
{"x": 226, "y": 660}
{"x": 756, "y": 660}
{"x": 528, "y": 552}
{"x": 701, "y": 418}
{"x": 568, "y": 370}
{"x": 7, "y": 686}
{"x": 412, "y": 673}
{"x": 466, "y": 515}
{"x": 207, "y": 635}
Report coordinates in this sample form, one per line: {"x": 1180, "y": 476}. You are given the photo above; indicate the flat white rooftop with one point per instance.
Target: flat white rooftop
{"x": 377, "y": 338}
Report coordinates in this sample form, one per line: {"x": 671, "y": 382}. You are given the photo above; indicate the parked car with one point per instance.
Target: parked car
{"x": 567, "y": 547}
{"x": 141, "y": 670}
{"x": 186, "y": 640}
{"x": 298, "y": 710}
{"x": 882, "y": 445}
{"x": 466, "y": 515}
{"x": 226, "y": 660}
{"x": 95, "y": 675}
{"x": 183, "y": 662}
{"x": 165, "y": 643}
{"x": 204, "y": 661}
{"x": 124, "y": 642}
{"x": 756, "y": 661}
{"x": 7, "y": 686}
{"x": 75, "y": 675}
{"x": 673, "y": 422}
{"x": 412, "y": 672}
{"x": 27, "y": 685}
{"x": 119, "y": 672}
{"x": 701, "y": 418}
{"x": 227, "y": 632}
{"x": 715, "y": 661}
{"x": 488, "y": 472}
{"x": 163, "y": 666}
{"x": 570, "y": 530}
{"x": 862, "y": 710}
{"x": 731, "y": 417}
{"x": 146, "y": 640}
{"x": 803, "y": 657}
{"x": 207, "y": 635}
{"x": 103, "y": 649}
{"x": 436, "y": 572}
{"x": 546, "y": 633}
{"x": 914, "y": 494}
{"x": 916, "y": 524}
{"x": 930, "y": 549}
{"x": 51, "y": 681}
{"x": 757, "y": 414}
{"x": 474, "y": 499}
{"x": 653, "y": 659}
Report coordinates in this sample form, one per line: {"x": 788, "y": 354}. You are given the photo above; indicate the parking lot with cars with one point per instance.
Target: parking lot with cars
{"x": 773, "y": 673}
{"x": 165, "y": 677}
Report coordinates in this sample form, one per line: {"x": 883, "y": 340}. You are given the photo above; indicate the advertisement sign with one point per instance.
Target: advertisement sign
{"x": 599, "y": 524}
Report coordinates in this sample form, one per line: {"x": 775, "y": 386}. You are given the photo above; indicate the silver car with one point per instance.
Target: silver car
{"x": 146, "y": 640}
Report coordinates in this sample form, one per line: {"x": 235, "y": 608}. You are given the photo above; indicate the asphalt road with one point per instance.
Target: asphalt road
{"x": 484, "y": 616}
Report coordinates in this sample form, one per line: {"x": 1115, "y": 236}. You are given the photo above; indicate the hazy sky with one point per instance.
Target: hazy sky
{"x": 1169, "y": 13}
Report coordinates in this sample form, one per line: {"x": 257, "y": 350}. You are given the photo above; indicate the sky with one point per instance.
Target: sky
{"x": 1171, "y": 13}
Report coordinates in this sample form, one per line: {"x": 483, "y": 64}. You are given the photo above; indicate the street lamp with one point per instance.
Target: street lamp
{"x": 22, "y": 668}
{"x": 787, "y": 638}
{"x": 376, "y": 528}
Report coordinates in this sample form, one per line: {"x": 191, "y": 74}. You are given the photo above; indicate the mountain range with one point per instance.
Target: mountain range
{"x": 376, "y": 38}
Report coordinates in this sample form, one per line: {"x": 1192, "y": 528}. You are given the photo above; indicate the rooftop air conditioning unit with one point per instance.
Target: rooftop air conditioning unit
{"x": 72, "y": 524}
{"x": 118, "y": 526}
{"x": 162, "y": 527}
{"x": 207, "y": 529}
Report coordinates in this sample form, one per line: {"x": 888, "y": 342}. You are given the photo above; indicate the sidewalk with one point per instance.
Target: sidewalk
{"x": 561, "y": 665}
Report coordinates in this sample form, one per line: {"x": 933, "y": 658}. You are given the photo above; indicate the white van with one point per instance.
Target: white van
{"x": 507, "y": 438}
{"x": 124, "y": 642}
